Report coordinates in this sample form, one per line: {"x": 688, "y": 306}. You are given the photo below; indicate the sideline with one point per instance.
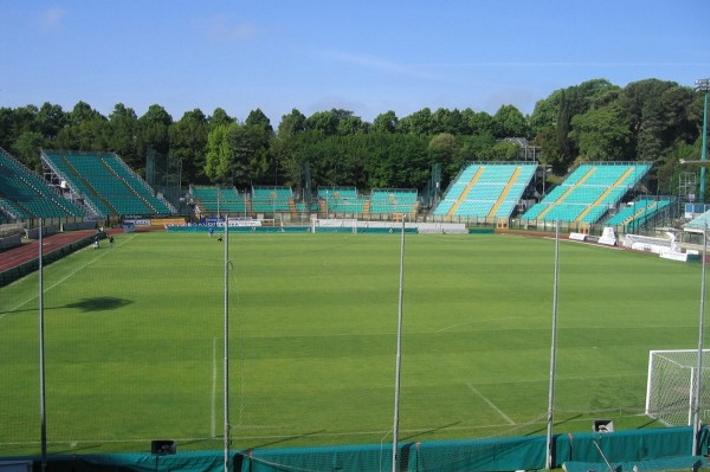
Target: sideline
{"x": 66, "y": 277}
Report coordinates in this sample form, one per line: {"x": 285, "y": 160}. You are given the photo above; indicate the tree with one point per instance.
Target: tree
{"x": 294, "y": 122}
{"x": 385, "y": 122}
{"x": 153, "y": 133}
{"x": 123, "y": 122}
{"x": 188, "y": 140}
{"x": 220, "y": 154}
{"x": 219, "y": 117}
{"x": 442, "y": 150}
{"x": 27, "y": 149}
{"x": 419, "y": 122}
{"x": 87, "y": 130}
{"x": 50, "y": 120}
{"x": 602, "y": 134}
{"x": 509, "y": 122}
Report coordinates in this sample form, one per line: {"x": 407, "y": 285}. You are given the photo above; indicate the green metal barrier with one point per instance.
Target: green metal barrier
{"x": 652, "y": 449}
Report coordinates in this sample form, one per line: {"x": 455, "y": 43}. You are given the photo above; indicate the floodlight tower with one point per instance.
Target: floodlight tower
{"x": 703, "y": 85}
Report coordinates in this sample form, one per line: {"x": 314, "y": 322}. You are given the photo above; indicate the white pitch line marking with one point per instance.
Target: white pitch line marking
{"x": 64, "y": 279}
{"x": 490, "y": 403}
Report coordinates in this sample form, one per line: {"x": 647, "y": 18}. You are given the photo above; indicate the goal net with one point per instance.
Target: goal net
{"x": 670, "y": 385}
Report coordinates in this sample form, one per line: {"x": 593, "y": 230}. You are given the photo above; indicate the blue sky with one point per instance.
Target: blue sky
{"x": 360, "y": 55}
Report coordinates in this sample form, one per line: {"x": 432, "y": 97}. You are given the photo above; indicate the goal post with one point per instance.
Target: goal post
{"x": 670, "y": 385}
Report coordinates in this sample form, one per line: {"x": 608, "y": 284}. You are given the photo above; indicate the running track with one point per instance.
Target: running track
{"x": 27, "y": 252}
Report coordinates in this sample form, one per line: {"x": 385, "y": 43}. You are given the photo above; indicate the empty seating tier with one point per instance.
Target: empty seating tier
{"x": 106, "y": 183}
{"x": 488, "y": 190}
{"x": 219, "y": 200}
{"x": 344, "y": 200}
{"x": 389, "y": 201}
{"x": 24, "y": 194}
{"x": 272, "y": 199}
{"x": 588, "y": 192}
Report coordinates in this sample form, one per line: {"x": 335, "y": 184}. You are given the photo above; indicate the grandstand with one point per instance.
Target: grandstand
{"x": 211, "y": 199}
{"x": 25, "y": 195}
{"x": 343, "y": 200}
{"x": 393, "y": 201}
{"x": 272, "y": 199}
{"x": 588, "y": 192}
{"x": 486, "y": 190}
{"x": 105, "y": 184}
{"x": 638, "y": 212}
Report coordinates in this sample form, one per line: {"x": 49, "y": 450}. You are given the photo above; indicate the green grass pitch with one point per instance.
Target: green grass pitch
{"x": 134, "y": 349}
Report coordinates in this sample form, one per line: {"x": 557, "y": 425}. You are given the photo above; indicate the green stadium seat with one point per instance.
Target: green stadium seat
{"x": 588, "y": 192}
{"x": 495, "y": 193}
{"x": 23, "y": 194}
{"x": 106, "y": 183}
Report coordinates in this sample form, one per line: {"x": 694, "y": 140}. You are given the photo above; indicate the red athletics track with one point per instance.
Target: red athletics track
{"x": 27, "y": 252}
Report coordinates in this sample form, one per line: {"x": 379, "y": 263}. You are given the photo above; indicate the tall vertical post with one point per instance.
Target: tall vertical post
{"x": 698, "y": 374}
{"x": 398, "y": 361}
{"x": 704, "y": 149}
{"x": 226, "y": 343}
{"x": 703, "y": 85}
{"x": 42, "y": 386}
{"x": 553, "y": 352}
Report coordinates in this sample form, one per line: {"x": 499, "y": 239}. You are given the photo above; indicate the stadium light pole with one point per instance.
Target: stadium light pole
{"x": 226, "y": 343}
{"x": 398, "y": 359}
{"x": 701, "y": 341}
{"x": 553, "y": 352}
{"x": 42, "y": 387}
{"x": 703, "y": 85}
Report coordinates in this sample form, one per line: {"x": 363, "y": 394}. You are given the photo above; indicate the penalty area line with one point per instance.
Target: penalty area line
{"x": 65, "y": 278}
{"x": 490, "y": 403}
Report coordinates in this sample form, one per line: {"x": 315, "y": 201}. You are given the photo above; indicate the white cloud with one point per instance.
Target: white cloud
{"x": 52, "y": 18}
{"x": 220, "y": 27}
{"x": 378, "y": 63}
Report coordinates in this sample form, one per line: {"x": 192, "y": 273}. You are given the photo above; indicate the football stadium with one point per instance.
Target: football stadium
{"x": 135, "y": 297}
{"x": 506, "y": 274}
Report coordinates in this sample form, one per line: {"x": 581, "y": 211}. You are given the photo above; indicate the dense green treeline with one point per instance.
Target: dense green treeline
{"x": 650, "y": 120}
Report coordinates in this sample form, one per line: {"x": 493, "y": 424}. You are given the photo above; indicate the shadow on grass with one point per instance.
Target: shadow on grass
{"x": 429, "y": 431}
{"x": 557, "y": 423}
{"x": 85, "y": 305}
{"x": 286, "y": 439}
{"x": 99, "y": 304}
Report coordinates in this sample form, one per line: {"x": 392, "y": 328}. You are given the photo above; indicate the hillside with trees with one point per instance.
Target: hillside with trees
{"x": 651, "y": 120}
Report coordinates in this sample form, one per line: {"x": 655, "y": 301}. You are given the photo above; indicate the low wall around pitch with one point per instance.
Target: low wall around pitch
{"x": 488, "y": 454}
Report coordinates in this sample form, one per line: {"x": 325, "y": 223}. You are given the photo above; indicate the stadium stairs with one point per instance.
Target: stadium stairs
{"x": 25, "y": 195}
{"x": 605, "y": 194}
{"x": 466, "y": 191}
{"x": 562, "y": 198}
{"x": 93, "y": 195}
{"x": 128, "y": 186}
{"x": 504, "y": 195}
{"x": 588, "y": 192}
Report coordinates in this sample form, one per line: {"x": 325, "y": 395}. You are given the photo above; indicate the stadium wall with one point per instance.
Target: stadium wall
{"x": 491, "y": 454}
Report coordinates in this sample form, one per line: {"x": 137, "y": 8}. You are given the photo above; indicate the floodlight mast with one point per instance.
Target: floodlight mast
{"x": 703, "y": 85}
{"x": 553, "y": 352}
{"x": 42, "y": 385}
{"x": 225, "y": 398}
{"x": 697, "y": 375}
{"x": 398, "y": 359}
